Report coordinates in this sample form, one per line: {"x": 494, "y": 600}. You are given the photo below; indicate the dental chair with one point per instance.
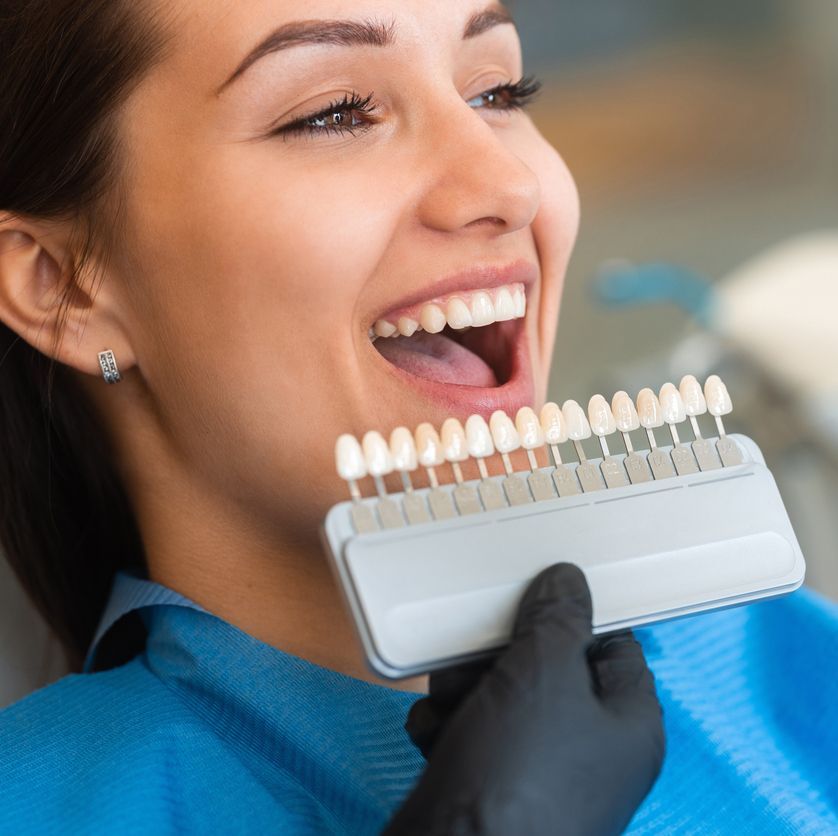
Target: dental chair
{"x": 29, "y": 655}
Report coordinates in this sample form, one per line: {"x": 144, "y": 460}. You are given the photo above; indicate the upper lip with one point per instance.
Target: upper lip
{"x": 476, "y": 277}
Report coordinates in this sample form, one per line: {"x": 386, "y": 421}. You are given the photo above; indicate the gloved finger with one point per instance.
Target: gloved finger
{"x": 557, "y": 598}
{"x": 621, "y": 676}
{"x": 551, "y": 634}
{"x": 428, "y": 716}
{"x": 448, "y": 687}
{"x": 424, "y": 724}
{"x": 626, "y": 686}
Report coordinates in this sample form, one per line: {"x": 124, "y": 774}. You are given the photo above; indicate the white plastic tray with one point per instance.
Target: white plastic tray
{"x": 427, "y": 596}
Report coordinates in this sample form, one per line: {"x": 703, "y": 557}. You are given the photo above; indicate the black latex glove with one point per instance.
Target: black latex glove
{"x": 561, "y": 733}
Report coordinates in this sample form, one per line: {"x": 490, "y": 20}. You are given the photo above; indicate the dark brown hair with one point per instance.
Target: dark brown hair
{"x": 65, "y": 522}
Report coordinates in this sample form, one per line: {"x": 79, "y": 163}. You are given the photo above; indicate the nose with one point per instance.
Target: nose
{"x": 475, "y": 180}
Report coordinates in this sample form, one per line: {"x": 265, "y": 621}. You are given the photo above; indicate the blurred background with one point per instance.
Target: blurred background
{"x": 702, "y": 137}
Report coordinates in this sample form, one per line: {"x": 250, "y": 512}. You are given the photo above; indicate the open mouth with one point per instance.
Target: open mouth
{"x": 465, "y": 338}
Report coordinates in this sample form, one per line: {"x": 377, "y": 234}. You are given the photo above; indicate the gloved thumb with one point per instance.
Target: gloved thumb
{"x": 551, "y": 634}
{"x": 558, "y": 598}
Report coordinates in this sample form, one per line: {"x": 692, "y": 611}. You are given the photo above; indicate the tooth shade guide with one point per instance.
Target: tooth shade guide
{"x": 354, "y": 491}
{"x": 467, "y": 500}
{"x": 564, "y": 478}
{"x": 729, "y": 451}
{"x": 673, "y": 431}
{"x": 706, "y": 454}
{"x": 507, "y": 440}
{"x": 719, "y": 404}
{"x": 505, "y": 486}
{"x": 517, "y": 491}
{"x": 674, "y": 411}
{"x": 415, "y": 509}
{"x": 603, "y": 423}
{"x": 613, "y": 472}
{"x": 693, "y": 397}
{"x": 636, "y": 461}
{"x": 541, "y": 486}
{"x": 695, "y": 428}
{"x": 683, "y": 460}
{"x": 455, "y": 448}
{"x": 491, "y": 495}
{"x": 407, "y": 485}
{"x": 363, "y": 518}
{"x": 650, "y": 416}
{"x": 442, "y": 504}
{"x": 390, "y": 513}
{"x": 555, "y": 433}
{"x": 432, "y": 479}
{"x": 659, "y": 462}
{"x": 589, "y": 476}
{"x": 729, "y": 542}
{"x": 627, "y": 419}
{"x": 481, "y": 446}
{"x": 578, "y": 428}
{"x": 637, "y": 468}
{"x": 727, "y": 448}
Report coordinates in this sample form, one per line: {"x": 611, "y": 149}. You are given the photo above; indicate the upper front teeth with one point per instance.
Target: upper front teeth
{"x": 458, "y": 314}
{"x": 462, "y": 310}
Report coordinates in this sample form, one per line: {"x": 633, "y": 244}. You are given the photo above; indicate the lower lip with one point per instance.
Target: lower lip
{"x": 461, "y": 401}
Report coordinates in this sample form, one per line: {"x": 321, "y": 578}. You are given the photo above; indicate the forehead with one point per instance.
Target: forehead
{"x": 214, "y": 35}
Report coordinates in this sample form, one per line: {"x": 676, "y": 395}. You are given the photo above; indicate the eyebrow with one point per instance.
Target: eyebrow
{"x": 351, "y": 33}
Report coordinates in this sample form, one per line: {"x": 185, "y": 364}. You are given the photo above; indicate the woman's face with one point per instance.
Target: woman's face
{"x": 263, "y": 245}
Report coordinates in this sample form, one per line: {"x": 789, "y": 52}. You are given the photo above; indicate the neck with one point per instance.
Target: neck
{"x": 276, "y": 587}
{"x": 282, "y": 594}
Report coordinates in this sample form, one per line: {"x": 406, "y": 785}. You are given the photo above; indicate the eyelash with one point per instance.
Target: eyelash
{"x": 515, "y": 95}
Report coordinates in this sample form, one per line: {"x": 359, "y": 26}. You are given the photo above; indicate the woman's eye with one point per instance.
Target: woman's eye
{"x": 488, "y": 99}
{"x": 354, "y": 113}
{"x": 335, "y": 119}
{"x": 509, "y": 96}
{"x": 350, "y": 114}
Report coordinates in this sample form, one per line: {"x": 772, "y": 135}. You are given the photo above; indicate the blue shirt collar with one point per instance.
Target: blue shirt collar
{"x": 319, "y": 740}
{"x": 130, "y": 594}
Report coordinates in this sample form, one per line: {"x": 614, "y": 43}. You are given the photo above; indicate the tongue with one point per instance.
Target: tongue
{"x": 436, "y": 357}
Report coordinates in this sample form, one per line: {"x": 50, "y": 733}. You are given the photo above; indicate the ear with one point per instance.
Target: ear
{"x": 37, "y": 266}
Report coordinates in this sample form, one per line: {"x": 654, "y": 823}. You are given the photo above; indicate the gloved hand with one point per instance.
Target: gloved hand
{"x": 561, "y": 733}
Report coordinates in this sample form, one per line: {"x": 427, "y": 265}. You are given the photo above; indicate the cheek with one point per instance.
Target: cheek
{"x": 554, "y": 230}
{"x": 258, "y": 259}
{"x": 255, "y": 273}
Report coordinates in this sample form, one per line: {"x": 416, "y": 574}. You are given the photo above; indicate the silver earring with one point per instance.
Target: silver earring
{"x": 108, "y": 363}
